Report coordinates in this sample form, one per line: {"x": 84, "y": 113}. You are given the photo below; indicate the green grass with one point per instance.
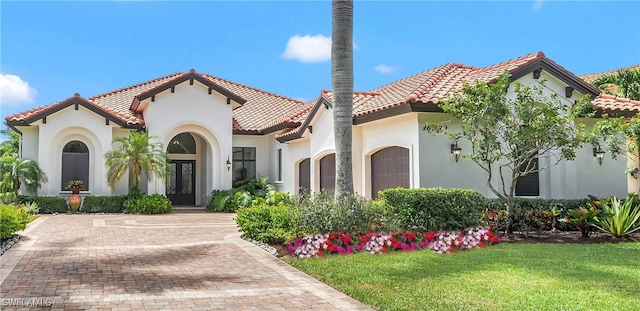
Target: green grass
{"x": 501, "y": 277}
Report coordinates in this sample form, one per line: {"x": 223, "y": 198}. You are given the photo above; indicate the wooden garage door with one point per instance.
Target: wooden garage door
{"x": 389, "y": 169}
{"x": 304, "y": 176}
{"x": 328, "y": 173}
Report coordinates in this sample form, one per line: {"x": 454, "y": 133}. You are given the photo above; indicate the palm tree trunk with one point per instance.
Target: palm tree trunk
{"x": 342, "y": 84}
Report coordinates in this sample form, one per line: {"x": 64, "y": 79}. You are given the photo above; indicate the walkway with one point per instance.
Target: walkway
{"x": 161, "y": 262}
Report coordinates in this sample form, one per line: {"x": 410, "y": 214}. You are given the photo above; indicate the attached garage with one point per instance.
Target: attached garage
{"x": 389, "y": 169}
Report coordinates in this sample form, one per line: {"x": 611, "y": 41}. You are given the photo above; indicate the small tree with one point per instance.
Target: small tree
{"x": 138, "y": 154}
{"x": 508, "y": 134}
{"x": 15, "y": 172}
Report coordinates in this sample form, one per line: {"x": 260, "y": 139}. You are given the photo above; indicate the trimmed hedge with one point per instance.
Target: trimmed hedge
{"x": 268, "y": 224}
{"x": 47, "y": 204}
{"x": 433, "y": 209}
{"x": 103, "y": 204}
{"x": 147, "y": 204}
{"x": 12, "y": 218}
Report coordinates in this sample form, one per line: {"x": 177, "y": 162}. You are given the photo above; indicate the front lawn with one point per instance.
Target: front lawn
{"x": 502, "y": 277}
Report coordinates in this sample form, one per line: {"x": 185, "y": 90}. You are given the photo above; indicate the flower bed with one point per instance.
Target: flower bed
{"x": 379, "y": 242}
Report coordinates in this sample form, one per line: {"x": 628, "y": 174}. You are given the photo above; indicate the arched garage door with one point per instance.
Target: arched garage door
{"x": 328, "y": 172}
{"x": 304, "y": 175}
{"x": 389, "y": 169}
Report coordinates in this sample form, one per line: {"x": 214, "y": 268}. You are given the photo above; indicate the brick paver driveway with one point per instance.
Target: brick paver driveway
{"x": 167, "y": 262}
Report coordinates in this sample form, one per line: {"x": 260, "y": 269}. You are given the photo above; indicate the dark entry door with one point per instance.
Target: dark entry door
{"x": 181, "y": 182}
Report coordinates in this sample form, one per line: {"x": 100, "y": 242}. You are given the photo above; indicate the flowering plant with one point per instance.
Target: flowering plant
{"x": 381, "y": 242}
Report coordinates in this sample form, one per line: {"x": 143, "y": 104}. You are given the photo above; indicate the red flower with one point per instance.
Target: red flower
{"x": 410, "y": 236}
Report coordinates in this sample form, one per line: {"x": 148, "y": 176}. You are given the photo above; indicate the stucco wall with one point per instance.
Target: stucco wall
{"x": 401, "y": 131}
{"x": 207, "y": 116}
{"x": 65, "y": 126}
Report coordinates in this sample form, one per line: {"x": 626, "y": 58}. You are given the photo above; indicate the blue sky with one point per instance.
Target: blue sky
{"x": 51, "y": 50}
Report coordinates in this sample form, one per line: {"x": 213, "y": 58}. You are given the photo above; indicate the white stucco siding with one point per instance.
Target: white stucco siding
{"x": 401, "y": 131}
{"x": 29, "y": 142}
{"x": 65, "y": 126}
{"x": 206, "y": 116}
{"x": 598, "y": 180}
{"x": 321, "y": 143}
{"x": 437, "y": 167}
{"x": 293, "y": 152}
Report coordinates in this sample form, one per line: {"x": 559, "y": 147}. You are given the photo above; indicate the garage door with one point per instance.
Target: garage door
{"x": 328, "y": 172}
{"x": 389, "y": 169}
{"x": 304, "y": 176}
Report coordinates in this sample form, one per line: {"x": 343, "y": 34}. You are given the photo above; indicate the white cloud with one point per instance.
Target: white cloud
{"x": 537, "y": 5}
{"x": 15, "y": 91}
{"x": 384, "y": 69}
{"x": 308, "y": 49}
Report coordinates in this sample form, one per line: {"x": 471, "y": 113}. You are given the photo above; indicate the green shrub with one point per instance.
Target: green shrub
{"x": 530, "y": 214}
{"x": 47, "y": 204}
{"x": 434, "y": 209}
{"x": 269, "y": 224}
{"x": 103, "y": 204}
{"x": 320, "y": 213}
{"x": 12, "y": 218}
{"x": 147, "y": 204}
{"x": 8, "y": 197}
{"x": 244, "y": 193}
{"x": 619, "y": 219}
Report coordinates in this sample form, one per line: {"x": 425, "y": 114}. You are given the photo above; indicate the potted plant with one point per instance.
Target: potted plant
{"x": 74, "y": 199}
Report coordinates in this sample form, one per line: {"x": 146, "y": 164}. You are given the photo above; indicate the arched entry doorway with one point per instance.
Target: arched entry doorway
{"x": 181, "y": 182}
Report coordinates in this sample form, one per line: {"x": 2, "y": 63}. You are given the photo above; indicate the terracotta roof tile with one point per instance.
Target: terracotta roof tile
{"x": 261, "y": 111}
{"x": 606, "y": 102}
{"x": 589, "y": 78}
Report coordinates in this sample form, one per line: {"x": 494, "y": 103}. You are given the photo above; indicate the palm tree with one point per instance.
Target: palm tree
{"x": 342, "y": 84}
{"x": 12, "y": 144}
{"x": 138, "y": 154}
{"x": 624, "y": 83}
{"x": 15, "y": 172}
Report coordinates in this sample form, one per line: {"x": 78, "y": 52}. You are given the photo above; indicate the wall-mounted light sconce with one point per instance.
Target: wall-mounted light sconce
{"x": 228, "y": 164}
{"x": 598, "y": 153}
{"x": 456, "y": 151}
{"x": 635, "y": 173}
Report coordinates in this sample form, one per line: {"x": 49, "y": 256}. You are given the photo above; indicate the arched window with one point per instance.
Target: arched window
{"x": 75, "y": 163}
{"x": 182, "y": 143}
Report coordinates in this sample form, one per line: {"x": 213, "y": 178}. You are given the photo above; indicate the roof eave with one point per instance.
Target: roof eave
{"x": 557, "y": 71}
{"x": 191, "y": 76}
{"x": 322, "y": 101}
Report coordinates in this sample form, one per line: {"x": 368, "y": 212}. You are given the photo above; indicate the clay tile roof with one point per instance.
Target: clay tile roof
{"x": 261, "y": 110}
{"x": 606, "y": 102}
{"x": 589, "y": 78}
{"x": 491, "y": 73}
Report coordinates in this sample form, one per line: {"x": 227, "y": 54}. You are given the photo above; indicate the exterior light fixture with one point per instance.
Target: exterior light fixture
{"x": 456, "y": 151}
{"x": 598, "y": 153}
{"x": 228, "y": 164}
{"x": 634, "y": 173}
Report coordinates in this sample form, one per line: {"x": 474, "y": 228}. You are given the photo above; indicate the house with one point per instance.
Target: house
{"x": 217, "y": 131}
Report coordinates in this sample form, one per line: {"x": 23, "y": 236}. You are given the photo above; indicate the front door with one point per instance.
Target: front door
{"x": 181, "y": 182}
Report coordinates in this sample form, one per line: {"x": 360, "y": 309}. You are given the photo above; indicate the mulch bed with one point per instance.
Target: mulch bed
{"x": 566, "y": 237}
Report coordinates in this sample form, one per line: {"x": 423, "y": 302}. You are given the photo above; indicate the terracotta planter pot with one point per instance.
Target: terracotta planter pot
{"x": 75, "y": 200}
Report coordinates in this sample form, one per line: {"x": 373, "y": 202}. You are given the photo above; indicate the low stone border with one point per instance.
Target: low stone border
{"x": 8, "y": 243}
{"x": 264, "y": 246}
